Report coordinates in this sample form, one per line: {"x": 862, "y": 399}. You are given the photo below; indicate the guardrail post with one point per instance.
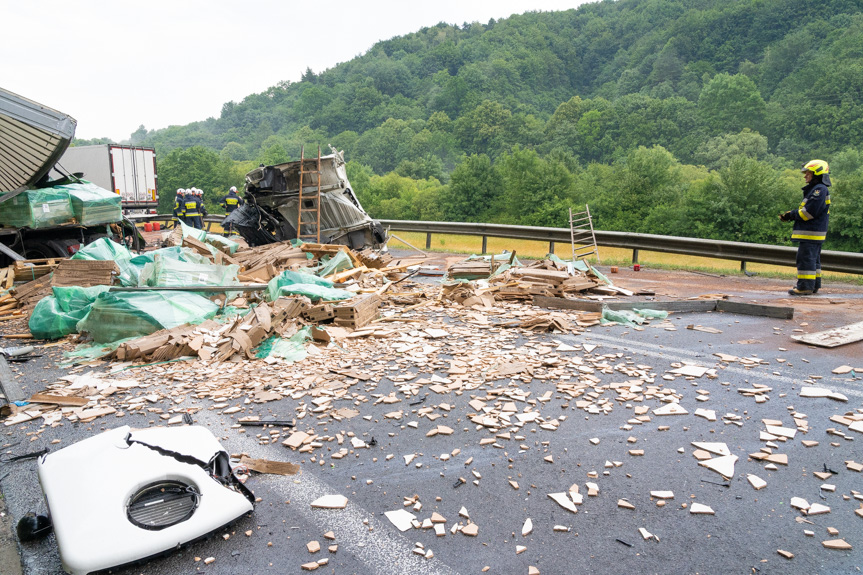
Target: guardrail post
{"x": 551, "y": 248}
{"x": 428, "y": 241}
{"x": 484, "y": 244}
{"x": 743, "y": 265}
{"x": 635, "y": 256}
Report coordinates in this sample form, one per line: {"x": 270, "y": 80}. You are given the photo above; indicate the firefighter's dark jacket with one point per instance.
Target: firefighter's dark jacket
{"x": 231, "y": 202}
{"x": 179, "y": 206}
{"x": 811, "y": 217}
{"x": 193, "y": 206}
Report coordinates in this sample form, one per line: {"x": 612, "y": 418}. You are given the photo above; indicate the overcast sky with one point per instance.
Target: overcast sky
{"x": 114, "y": 65}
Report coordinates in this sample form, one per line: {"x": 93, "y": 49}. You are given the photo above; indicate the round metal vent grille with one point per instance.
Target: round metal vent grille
{"x": 162, "y": 504}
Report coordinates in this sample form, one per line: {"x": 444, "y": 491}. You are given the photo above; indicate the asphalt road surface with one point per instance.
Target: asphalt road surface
{"x": 742, "y": 536}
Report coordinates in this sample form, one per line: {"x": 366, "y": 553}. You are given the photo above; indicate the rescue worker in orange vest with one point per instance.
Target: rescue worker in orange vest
{"x": 231, "y": 202}
{"x": 179, "y": 207}
{"x": 193, "y": 209}
{"x": 810, "y": 226}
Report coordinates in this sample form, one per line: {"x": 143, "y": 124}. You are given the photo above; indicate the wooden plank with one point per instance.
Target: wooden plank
{"x": 833, "y": 337}
{"x": 779, "y": 312}
{"x": 583, "y": 305}
{"x": 61, "y": 400}
{"x": 269, "y": 466}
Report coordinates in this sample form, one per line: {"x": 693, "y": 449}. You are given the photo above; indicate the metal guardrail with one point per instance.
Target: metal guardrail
{"x": 844, "y": 262}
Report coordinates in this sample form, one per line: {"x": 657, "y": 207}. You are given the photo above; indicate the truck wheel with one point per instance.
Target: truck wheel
{"x": 48, "y": 249}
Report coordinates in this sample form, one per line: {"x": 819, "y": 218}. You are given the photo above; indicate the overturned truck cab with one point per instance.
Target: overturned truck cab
{"x": 272, "y": 209}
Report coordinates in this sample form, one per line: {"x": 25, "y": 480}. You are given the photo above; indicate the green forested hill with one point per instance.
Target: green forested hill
{"x": 667, "y": 116}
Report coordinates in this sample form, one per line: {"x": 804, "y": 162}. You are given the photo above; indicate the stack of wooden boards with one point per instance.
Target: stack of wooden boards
{"x": 358, "y": 312}
{"x": 214, "y": 341}
{"x": 62, "y": 272}
{"x": 373, "y": 259}
{"x": 84, "y": 273}
{"x": 263, "y": 263}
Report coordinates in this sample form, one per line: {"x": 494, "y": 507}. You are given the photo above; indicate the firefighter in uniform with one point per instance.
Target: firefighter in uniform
{"x": 179, "y": 207}
{"x": 204, "y": 212}
{"x": 231, "y": 202}
{"x": 193, "y": 209}
{"x": 810, "y": 226}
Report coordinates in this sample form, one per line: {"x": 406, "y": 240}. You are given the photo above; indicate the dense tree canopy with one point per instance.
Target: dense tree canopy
{"x": 667, "y": 116}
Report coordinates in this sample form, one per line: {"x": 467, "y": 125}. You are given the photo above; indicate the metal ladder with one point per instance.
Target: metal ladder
{"x": 312, "y": 221}
{"x": 581, "y": 233}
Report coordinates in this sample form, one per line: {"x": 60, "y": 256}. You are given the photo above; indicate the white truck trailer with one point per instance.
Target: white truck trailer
{"x": 129, "y": 171}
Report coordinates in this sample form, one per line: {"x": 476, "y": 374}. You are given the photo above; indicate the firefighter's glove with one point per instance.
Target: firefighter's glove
{"x": 786, "y": 217}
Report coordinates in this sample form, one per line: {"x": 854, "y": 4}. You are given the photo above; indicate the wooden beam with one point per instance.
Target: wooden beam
{"x": 779, "y": 312}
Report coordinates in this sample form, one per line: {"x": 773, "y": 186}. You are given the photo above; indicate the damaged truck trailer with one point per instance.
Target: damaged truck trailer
{"x": 330, "y": 210}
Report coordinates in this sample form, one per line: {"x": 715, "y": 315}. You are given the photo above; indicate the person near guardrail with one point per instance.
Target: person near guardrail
{"x": 193, "y": 210}
{"x": 231, "y": 202}
{"x": 177, "y": 213}
{"x": 810, "y": 226}
{"x": 204, "y": 212}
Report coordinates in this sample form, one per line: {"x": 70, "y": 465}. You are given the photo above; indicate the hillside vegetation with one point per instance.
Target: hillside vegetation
{"x": 666, "y": 116}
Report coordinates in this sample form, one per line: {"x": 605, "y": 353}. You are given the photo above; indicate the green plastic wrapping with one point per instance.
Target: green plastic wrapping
{"x": 170, "y": 272}
{"x": 651, "y": 313}
{"x": 37, "y": 209}
{"x": 631, "y": 317}
{"x": 599, "y": 274}
{"x": 104, "y": 249}
{"x": 85, "y": 353}
{"x": 58, "y": 315}
{"x": 622, "y": 316}
{"x": 93, "y": 205}
{"x": 339, "y": 262}
{"x": 119, "y": 315}
{"x": 208, "y": 238}
{"x": 580, "y": 265}
{"x": 296, "y": 283}
{"x": 291, "y": 349}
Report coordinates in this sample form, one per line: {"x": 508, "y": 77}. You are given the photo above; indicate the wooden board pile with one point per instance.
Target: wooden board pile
{"x": 374, "y": 259}
{"x": 357, "y": 312}
{"x": 28, "y": 295}
{"x": 263, "y": 263}
{"x": 543, "y": 279}
{"x": 29, "y": 270}
{"x": 471, "y": 269}
{"x": 212, "y": 341}
{"x": 84, "y": 273}
{"x": 19, "y": 301}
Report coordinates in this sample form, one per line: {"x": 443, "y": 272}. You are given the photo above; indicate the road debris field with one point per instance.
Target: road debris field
{"x": 390, "y": 418}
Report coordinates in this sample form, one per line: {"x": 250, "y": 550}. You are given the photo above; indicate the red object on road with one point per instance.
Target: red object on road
{"x": 636, "y": 267}
{"x": 157, "y": 226}
{"x": 148, "y": 227}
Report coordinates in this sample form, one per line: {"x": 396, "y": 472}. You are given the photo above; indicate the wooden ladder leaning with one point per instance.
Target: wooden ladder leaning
{"x": 581, "y": 234}
{"x": 309, "y": 204}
